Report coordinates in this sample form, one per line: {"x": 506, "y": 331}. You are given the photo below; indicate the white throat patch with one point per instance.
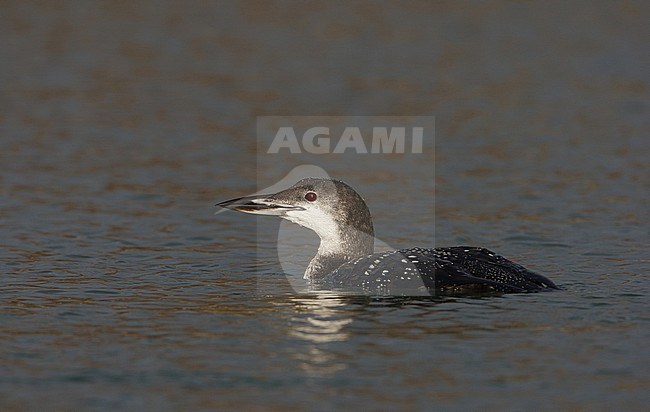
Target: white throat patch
{"x": 320, "y": 222}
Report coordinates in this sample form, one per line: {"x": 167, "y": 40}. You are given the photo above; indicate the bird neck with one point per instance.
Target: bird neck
{"x": 344, "y": 245}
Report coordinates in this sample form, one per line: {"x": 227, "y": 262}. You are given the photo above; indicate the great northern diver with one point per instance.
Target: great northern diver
{"x": 345, "y": 260}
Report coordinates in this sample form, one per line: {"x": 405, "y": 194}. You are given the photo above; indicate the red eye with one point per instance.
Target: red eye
{"x": 310, "y": 196}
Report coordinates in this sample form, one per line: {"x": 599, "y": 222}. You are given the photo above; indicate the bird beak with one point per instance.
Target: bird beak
{"x": 259, "y": 205}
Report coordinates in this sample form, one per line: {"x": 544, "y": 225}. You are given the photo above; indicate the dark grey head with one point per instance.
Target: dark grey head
{"x": 329, "y": 207}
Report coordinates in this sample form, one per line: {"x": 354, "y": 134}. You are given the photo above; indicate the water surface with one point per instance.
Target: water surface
{"x": 123, "y": 123}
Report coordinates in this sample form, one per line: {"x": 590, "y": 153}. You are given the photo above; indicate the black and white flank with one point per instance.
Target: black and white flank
{"x": 345, "y": 260}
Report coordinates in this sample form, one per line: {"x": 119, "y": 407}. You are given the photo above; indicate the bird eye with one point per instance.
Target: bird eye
{"x": 310, "y": 196}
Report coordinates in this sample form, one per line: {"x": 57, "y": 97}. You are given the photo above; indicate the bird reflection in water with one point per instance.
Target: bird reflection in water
{"x": 319, "y": 321}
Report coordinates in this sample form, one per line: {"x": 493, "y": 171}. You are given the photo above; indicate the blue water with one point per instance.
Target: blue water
{"x": 123, "y": 123}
